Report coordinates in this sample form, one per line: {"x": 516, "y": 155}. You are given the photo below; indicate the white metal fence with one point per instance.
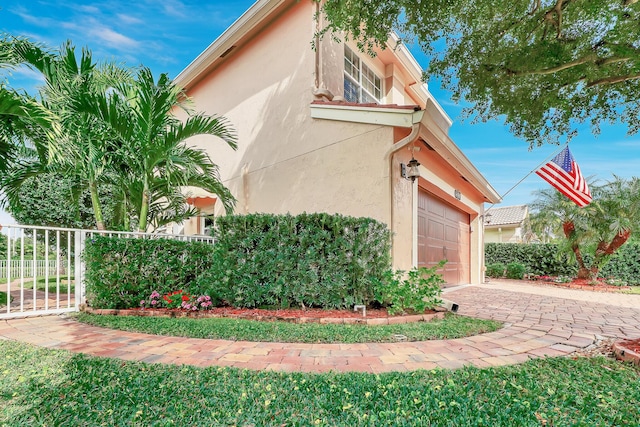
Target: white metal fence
{"x": 45, "y": 273}
{"x": 16, "y": 266}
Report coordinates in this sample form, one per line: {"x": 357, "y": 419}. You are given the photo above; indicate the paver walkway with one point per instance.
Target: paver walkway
{"x": 539, "y": 322}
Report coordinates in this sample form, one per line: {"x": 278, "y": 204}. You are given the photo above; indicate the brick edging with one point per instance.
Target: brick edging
{"x": 323, "y": 320}
{"x": 624, "y": 354}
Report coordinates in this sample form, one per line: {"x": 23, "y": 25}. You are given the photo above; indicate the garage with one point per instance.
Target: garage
{"x": 443, "y": 233}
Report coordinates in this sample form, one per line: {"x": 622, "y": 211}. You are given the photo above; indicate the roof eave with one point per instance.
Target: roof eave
{"x": 396, "y": 117}
{"x": 250, "y": 19}
{"x": 406, "y": 118}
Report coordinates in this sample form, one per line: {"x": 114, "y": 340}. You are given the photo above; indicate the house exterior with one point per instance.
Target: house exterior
{"x": 332, "y": 130}
{"x": 505, "y": 224}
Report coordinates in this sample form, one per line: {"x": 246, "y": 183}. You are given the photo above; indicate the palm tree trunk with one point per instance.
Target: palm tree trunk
{"x": 605, "y": 250}
{"x": 95, "y": 203}
{"x": 144, "y": 210}
{"x": 569, "y": 229}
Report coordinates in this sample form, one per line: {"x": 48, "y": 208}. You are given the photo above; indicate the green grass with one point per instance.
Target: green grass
{"x": 41, "y": 283}
{"x": 634, "y": 290}
{"x": 55, "y": 387}
{"x": 452, "y": 326}
{"x": 3, "y": 298}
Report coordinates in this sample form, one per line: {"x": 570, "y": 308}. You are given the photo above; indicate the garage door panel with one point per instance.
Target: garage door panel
{"x": 436, "y": 230}
{"x": 437, "y": 210}
{"x": 452, "y": 234}
{"x": 446, "y": 237}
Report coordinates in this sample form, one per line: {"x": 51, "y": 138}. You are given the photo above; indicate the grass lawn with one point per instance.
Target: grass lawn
{"x": 54, "y": 387}
{"x": 634, "y": 290}
{"x": 41, "y": 283}
{"x": 452, "y": 326}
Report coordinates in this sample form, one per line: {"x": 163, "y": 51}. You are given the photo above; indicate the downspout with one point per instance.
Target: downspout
{"x": 415, "y": 132}
{"x": 317, "y": 65}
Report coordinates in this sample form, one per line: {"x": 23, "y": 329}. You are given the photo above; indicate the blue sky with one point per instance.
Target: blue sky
{"x": 167, "y": 35}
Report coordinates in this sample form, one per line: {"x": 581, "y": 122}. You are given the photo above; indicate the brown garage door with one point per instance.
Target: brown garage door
{"x": 443, "y": 233}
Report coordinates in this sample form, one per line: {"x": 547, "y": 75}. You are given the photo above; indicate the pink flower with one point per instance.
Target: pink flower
{"x": 154, "y": 302}
{"x": 142, "y": 302}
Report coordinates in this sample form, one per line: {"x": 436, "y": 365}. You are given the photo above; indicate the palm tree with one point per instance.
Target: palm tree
{"x": 21, "y": 116}
{"x": 554, "y": 211}
{"x": 604, "y": 225}
{"x": 615, "y": 216}
{"x": 152, "y": 148}
{"x": 83, "y": 144}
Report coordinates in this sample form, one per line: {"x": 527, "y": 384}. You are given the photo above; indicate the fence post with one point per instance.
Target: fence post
{"x": 79, "y": 236}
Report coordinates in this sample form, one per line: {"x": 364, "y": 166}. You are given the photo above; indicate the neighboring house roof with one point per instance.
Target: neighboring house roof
{"x": 507, "y": 215}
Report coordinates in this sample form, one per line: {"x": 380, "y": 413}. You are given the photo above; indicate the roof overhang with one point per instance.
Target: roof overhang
{"x": 199, "y": 198}
{"x": 407, "y": 117}
{"x": 240, "y": 32}
{"x": 404, "y": 117}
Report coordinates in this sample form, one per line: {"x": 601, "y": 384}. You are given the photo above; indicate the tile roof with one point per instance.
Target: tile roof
{"x": 506, "y": 215}
{"x": 368, "y": 105}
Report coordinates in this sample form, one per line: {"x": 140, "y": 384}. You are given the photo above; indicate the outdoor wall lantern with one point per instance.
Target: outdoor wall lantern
{"x": 410, "y": 170}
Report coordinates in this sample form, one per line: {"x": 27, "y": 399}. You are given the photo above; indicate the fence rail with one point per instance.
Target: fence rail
{"x": 29, "y": 267}
{"x": 43, "y": 270}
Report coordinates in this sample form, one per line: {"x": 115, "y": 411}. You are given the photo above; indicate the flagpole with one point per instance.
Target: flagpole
{"x": 527, "y": 175}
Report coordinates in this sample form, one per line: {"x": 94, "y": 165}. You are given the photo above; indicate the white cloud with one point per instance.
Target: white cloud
{"x": 175, "y": 8}
{"x": 31, "y": 19}
{"x": 128, "y": 19}
{"x": 113, "y": 38}
{"x": 90, "y": 9}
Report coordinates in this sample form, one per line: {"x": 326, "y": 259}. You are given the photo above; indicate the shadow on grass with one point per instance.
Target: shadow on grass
{"x": 53, "y": 387}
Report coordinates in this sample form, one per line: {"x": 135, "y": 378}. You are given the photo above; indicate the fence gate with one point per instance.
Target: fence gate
{"x": 43, "y": 271}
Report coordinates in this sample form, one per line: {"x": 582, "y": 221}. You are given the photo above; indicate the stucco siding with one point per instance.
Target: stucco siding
{"x": 286, "y": 161}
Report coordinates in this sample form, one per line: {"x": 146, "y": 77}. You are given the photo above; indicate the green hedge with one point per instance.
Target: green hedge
{"x": 544, "y": 259}
{"x": 321, "y": 260}
{"x": 312, "y": 260}
{"x": 122, "y": 272}
{"x": 538, "y": 259}
{"x": 624, "y": 264}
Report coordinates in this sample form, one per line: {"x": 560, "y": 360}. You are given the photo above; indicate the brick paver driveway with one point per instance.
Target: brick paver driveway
{"x": 539, "y": 322}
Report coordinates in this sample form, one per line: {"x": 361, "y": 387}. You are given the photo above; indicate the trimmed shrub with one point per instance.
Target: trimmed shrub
{"x": 515, "y": 271}
{"x": 624, "y": 265}
{"x": 538, "y": 259}
{"x": 546, "y": 260}
{"x": 122, "y": 272}
{"x": 308, "y": 260}
{"x": 416, "y": 291}
{"x": 496, "y": 270}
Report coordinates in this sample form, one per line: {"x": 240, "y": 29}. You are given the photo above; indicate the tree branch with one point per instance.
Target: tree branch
{"x": 584, "y": 60}
{"x": 536, "y": 6}
{"x": 613, "y": 80}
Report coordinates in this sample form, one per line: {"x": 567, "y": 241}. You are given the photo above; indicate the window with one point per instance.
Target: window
{"x": 360, "y": 82}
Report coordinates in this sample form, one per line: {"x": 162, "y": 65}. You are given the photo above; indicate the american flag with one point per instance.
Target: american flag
{"x": 563, "y": 173}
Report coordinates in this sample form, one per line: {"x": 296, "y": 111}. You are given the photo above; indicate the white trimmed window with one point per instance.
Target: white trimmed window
{"x": 361, "y": 84}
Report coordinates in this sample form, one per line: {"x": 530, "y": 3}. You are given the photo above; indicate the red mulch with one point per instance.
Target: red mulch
{"x": 583, "y": 284}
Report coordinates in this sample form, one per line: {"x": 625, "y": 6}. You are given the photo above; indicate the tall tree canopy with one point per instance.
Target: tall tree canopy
{"x": 545, "y": 66}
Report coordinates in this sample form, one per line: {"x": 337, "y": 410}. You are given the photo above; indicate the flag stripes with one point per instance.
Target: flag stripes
{"x": 563, "y": 173}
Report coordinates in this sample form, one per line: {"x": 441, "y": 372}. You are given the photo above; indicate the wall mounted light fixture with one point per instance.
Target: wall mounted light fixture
{"x": 410, "y": 170}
